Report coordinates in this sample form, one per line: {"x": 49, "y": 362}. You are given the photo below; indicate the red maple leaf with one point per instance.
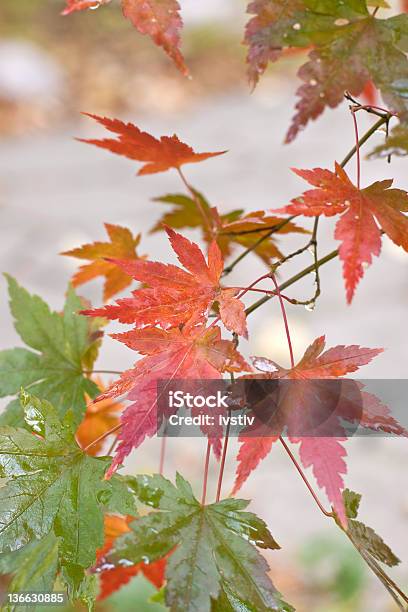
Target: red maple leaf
{"x": 158, "y": 155}
{"x": 194, "y": 352}
{"x": 325, "y": 455}
{"x": 175, "y": 295}
{"x": 122, "y": 245}
{"x": 363, "y": 212}
{"x": 81, "y": 5}
{"x": 161, "y": 20}
{"x": 113, "y": 578}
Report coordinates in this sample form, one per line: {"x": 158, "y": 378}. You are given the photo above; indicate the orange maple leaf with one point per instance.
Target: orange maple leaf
{"x": 113, "y": 578}
{"x": 159, "y": 155}
{"x": 122, "y": 245}
{"x": 99, "y": 419}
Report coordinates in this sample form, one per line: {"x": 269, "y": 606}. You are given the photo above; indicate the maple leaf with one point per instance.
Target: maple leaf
{"x": 363, "y": 537}
{"x": 350, "y": 47}
{"x": 122, "y": 245}
{"x": 158, "y": 155}
{"x": 215, "y": 546}
{"x": 64, "y": 345}
{"x": 81, "y": 5}
{"x": 396, "y": 143}
{"x": 363, "y": 213}
{"x": 113, "y": 578}
{"x": 34, "y": 567}
{"x": 99, "y": 418}
{"x": 194, "y": 352}
{"x": 53, "y": 486}
{"x": 161, "y": 20}
{"x": 176, "y": 296}
{"x": 324, "y": 455}
{"x": 229, "y": 229}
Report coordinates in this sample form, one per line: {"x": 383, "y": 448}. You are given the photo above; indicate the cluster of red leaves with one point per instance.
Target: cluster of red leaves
{"x": 159, "y": 19}
{"x": 169, "y": 311}
{"x": 113, "y": 578}
{"x": 363, "y": 212}
{"x": 324, "y": 454}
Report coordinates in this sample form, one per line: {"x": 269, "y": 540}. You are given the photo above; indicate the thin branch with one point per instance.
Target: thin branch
{"x": 196, "y": 201}
{"x": 256, "y": 244}
{"x": 112, "y": 446}
{"x": 285, "y": 321}
{"x": 294, "y": 279}
{"x": 353, "y": 114}
{"x": 205, "y": 477}
{"x": 364, "y": 139}
{"x": 310, "y": 303}
{"x": 102, "y": 437}
{"x": 223, "y": 457}
{"x": 257, "y": 230}
{"x": 304, "y": 478}
{"x": 162, "y": 455}
{"x": 282, "y": 441}
{"x": 115, "y": 372}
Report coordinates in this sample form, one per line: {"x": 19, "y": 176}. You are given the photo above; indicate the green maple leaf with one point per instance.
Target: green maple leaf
{"x": 215, "y": 547}
{"x": 52, "y": 485}
{"x": 396, "y": 142}
{"x": 245, "y": 231}
{"x": 34, "y": 568}
{"x": 350, "y": 48}
{"x": 365, "y": 538}
{"x": 64, "y": 345}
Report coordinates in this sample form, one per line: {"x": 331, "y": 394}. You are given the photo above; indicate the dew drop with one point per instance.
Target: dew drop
{"x": 125, "y": 562}
{"x": 296, "y": 26}
{"x": 313, "y": 82}
{"x": 145, "y": 560}
{"x": 341, "y": 22}
{"x": 310, "y": 307}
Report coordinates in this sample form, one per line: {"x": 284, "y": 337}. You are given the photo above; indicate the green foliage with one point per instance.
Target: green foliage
{"x": 34, "y": 566}
{"x": 64, "y": 343}
{"x": 54, "y": 498}
{"x": 215, "y": 562}
{"x": 350, "y": 48}
{"x": 365, "y": 538}
{"x": 396, "y": 142}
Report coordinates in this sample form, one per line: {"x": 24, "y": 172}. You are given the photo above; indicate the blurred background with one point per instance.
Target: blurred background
{"x": 55, "y": 194}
